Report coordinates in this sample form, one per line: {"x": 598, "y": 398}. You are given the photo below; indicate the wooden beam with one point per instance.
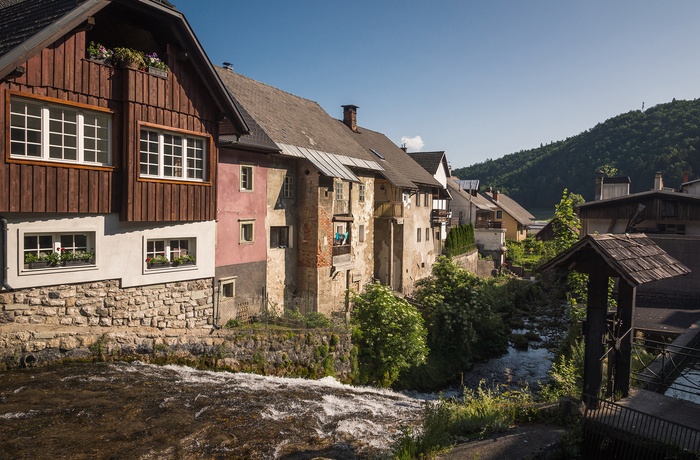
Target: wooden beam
{"x": 623, "y": 355}
{"x": 596, "y": 328}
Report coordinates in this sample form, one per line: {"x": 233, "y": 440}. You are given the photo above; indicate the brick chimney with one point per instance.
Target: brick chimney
{"x": 495, "y": 196}
{"x": 686, "y": 177}
{"x": 658, "y": 181}
{"x": 350, "y": 116}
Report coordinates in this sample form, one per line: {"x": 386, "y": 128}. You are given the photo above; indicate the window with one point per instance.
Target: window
{"x": 54, "y": 132}
{"x": 288, "y": 187}
{"x": 339, "y": 191}
{"x": 361, "y": 236}
{"x": 170, "y": 252}
{"x": 247, "y": 231}
{"x": 342, "y": 235}
{"x": 418, "y": 234}
{"x": 406, "y": 197}
{"x": 426, "y": 202}
{"x": 499, "y": 214}
{"x": 279, "y": 237}
{"x": 227, "y": 289}
{"x": 43, "y": 250}
{"x": 427, "y": 234}
{"x": 417, "y": 199}
{"x": 168, "y": 155}
{"x": 361, "y": 193}
{"x": 246, "y": 178}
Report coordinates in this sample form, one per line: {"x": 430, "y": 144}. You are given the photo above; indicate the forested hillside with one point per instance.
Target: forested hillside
{"x": 663, "y": 138}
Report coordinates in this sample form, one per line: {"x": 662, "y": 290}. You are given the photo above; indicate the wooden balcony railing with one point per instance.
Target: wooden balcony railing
{"x": 439, "y": 216}
{"x": 388, "y": 209}
{"x": 489, "y": 224}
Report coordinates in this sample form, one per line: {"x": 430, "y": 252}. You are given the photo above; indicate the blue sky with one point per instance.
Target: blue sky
{"x": 477, "y": 79}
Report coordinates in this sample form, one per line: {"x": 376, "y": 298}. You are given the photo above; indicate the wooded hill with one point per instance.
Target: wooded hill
{"x": 664, "y": 138}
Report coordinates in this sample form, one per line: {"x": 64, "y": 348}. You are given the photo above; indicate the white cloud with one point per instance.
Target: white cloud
{"x": 413, "y": 144}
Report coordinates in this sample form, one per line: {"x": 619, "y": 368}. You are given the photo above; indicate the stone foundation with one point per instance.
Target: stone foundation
{"x": 180, "y": 305}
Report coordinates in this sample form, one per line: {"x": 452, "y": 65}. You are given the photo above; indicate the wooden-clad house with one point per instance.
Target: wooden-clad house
{"x": 107, "y": 163}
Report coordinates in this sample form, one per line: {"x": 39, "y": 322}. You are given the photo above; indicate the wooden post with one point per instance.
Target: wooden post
{"x": 623, "y": 355}
{"x": 596, "y": 315}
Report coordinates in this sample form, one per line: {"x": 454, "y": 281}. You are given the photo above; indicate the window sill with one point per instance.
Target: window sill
{"x": 58, "y": 269}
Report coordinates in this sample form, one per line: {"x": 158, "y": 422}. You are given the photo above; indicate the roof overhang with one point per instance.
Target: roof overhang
{"x": 330, "y": 164}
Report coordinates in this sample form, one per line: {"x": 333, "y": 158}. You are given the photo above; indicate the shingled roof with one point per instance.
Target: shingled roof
{"x": 399, "y": 168}
{"x": 633, "y": 257}
{"x": 510, "y": 206}
{"x": 431, "y": 161}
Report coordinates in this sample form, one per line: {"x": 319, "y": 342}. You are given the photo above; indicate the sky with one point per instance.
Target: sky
{"x": 478, "y": 79}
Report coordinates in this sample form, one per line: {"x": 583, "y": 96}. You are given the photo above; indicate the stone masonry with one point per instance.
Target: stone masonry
{"x": 180, "y": 305}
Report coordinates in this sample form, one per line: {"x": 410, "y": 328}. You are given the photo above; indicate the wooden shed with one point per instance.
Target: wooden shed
{"x": 635, "y": 260}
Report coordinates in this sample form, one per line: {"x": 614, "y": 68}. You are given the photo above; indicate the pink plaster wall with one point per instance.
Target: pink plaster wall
{"x": 233, "y": 205}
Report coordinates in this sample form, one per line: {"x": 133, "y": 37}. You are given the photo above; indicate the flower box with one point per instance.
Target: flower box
{"x": 158, "y": 72}
{"x": 182, "y": 264}
{"x": 40, "y": 264}
{"x": 158, "y": 264}
{"x": 73, "y": 263}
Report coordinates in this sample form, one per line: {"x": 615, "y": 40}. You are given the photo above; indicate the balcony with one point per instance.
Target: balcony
{"x": 489, "y": 224}
{"x": 440, "y": 216}
{"x": 388, "y": 209}
{"x": 342, "y": 257}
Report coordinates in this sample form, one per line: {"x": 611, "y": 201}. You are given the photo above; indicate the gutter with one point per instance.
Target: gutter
{"x": 3, "y": 255}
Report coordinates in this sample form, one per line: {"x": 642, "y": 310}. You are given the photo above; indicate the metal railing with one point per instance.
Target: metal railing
{"x": 669, "y": 365}
{"x": 613, "y": 431}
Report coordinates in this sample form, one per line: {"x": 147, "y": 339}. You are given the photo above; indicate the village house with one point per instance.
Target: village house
{"x": 318, "y": 216}
{"x": 509, "y": 215}
{"x": 406, "y": 238}
{"x": 109, "y": 167}
{"x": 671, "y": 218}
{"x": 436, "y": 164}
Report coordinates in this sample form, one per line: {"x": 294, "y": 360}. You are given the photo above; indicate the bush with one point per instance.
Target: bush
{"x": 389, "y": 334}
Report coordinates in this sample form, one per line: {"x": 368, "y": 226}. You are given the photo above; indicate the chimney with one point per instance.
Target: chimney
{"x": 658, "y": 181}
{"x": 686, "y": 177}
{"x": 403, "y": 147}
{"x": 599, "y": 175}
{"x": 228, "y": 66}
{"x": 495, "y": 196}
{"x": 350, "y": 116}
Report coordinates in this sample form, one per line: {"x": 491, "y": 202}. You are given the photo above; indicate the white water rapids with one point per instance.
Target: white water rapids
{"x": 140, "y": 411}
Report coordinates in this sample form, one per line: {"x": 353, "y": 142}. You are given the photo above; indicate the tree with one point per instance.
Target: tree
{"x": 389, "y": 334}
{"x": 565, "y": 224}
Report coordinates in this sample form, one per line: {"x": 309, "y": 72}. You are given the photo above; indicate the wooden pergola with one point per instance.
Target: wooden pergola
{"x": 635, "y": 260}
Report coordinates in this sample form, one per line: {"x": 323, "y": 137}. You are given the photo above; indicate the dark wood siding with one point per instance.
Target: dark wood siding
{"x": 179, "y": 102}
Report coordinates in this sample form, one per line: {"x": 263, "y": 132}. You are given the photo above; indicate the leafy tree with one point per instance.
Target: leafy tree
{"x": 389, "y": 333}
{"x": 565, "y": 224}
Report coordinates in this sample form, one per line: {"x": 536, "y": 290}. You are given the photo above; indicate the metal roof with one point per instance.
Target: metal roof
{"x": 330, "y": 164}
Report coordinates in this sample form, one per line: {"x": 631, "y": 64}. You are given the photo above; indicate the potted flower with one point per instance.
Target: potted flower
{"x": 157, "y": 261}
{"x": 187, "y": 259}
{"x": 99, "y": 53}
{"x": 41, "y": 260}
{"x": 155, "y": 66}
{"x": 130, "y": 58}
{"x": 70, "y": 258}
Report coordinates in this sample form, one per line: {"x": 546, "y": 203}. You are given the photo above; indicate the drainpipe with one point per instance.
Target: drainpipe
{"x": 3, "y": 254}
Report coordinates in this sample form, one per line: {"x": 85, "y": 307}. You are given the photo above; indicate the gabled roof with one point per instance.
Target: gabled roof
{"x": 300, "y": 127}
{"x": 431, "y": 161}
{"x": 477, "y": 200}
{"x": 256, "y": 139}
{"x": 633, "y": 257}
{"x": 28, "y": 26}
{"x": 399, "y": 168}
{"x": 512, "y": 207}
{"x": 635, "y": 197}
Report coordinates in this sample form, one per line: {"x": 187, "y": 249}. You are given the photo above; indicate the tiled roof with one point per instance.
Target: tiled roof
{"x": 430, "y": 161}
{"x": 291, "y": 120}
{"x": 22, "y": 19}
{"x": 512, "y": 207}
{"x": 634, "y": 257}
{"x": 256, "y": 139}
{"x": 399, "y": 168}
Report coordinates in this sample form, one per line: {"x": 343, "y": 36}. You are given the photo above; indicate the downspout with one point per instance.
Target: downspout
{"x": 3, "y": 254}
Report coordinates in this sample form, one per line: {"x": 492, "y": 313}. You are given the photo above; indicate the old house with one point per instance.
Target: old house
{"x": 108, "y": 169}
{"x": 670, "y": 218}
{"x": 319, "y": 199}
{"x": 436, "y": 164}
{"x": 406, "y": 239}
{"x": 508, "y": 214}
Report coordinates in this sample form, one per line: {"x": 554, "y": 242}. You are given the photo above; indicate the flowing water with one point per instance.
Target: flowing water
{"x": 140, "y": 411}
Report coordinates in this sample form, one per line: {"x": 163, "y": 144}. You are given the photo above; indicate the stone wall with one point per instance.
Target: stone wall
{"x": 468, "y": 261}
{"x": 180, "y": 305}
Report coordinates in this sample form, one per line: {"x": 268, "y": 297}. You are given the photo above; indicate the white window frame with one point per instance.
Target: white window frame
{"x": 361, "y": 193}
{"x": 191, "y": 151}
{"x": 170, "y": 247}
{"x": 56, "y": 246}
{"x": 247, "y": 182}
{"x": 244, "y": 223}
{"x": 48, "y": 138}
{"x": 288, "y": 187}
{"x": 339, "y": 191}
